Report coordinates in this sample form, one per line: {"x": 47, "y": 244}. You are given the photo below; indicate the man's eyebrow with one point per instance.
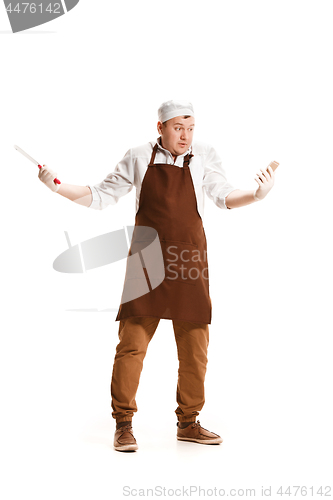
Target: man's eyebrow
{"x": 192, "y": 125}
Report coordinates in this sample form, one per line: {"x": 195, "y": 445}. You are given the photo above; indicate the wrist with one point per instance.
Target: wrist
{"x": 255, "y": 197}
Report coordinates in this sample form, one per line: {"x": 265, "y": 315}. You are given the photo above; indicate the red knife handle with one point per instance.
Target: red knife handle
{"x": 54, "y": 180}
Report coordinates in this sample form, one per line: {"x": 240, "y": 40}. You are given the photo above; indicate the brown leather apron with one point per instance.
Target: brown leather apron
{"x": 168, "y": 204}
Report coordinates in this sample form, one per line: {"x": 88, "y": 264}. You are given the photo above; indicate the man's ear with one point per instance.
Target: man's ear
{"x": 159, "y": 127}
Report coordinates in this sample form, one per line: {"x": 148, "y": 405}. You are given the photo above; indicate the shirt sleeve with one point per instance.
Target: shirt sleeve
{"x": 215, "y": 182}
{"x": 115, "y": 185}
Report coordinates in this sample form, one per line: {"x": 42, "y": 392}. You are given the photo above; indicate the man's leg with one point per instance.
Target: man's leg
{"x": 134, "y": 335}
{"x": 192, "y": 345}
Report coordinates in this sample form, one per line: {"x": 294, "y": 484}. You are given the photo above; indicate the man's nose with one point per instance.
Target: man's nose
{"x": 184, "y": 134}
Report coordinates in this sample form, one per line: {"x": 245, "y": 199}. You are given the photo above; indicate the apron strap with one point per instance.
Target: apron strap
{"x": 152, "y": 159}
{"x": 187, "y": 160}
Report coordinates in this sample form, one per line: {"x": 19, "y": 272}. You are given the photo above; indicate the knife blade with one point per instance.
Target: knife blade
{"x": 20, "y": 150}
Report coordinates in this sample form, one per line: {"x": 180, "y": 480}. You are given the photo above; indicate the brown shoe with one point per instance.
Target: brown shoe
{"x": 124, "y": 439}
{"x": 194, "y": 432}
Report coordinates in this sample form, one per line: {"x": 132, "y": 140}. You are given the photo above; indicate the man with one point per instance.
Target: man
{"x": 171, "y": 176}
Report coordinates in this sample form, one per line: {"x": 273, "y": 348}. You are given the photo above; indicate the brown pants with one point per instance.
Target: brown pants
{"x": 135, "y": 334}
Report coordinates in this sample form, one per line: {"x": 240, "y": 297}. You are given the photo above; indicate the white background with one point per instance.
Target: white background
{"x": 76, "y": 94}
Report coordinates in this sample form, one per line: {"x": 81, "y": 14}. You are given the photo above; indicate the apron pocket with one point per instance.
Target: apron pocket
{"x": 149, "y": 254}
{"x": 181, "y": 261}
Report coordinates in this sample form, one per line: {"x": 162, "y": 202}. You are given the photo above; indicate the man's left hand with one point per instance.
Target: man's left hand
{"x": 266, "y": 181}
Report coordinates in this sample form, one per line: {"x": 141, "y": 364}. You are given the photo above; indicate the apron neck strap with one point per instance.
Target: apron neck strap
{"x": 152, "y": 159}
{"x": 187, "y": 159}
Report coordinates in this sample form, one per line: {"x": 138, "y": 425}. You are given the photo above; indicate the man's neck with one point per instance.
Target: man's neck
{"x": 173, "y": 156}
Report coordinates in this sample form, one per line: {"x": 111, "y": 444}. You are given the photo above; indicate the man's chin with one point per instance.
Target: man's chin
{"x": 181, "y": 151}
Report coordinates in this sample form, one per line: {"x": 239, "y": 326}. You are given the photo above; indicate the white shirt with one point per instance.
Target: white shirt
{"x": 206, "y": 169}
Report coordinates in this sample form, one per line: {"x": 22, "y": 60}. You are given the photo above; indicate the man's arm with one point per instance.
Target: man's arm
{"x": 116, "y": 184}
{"x": 79, "y": 194}
{"x": 240, "y": 198}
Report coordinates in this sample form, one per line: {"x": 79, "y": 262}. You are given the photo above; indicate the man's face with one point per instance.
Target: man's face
{"x": 177, "y": 134}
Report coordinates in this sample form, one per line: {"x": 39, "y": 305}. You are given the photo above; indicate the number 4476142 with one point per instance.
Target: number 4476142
{"x": 33, "y": 7}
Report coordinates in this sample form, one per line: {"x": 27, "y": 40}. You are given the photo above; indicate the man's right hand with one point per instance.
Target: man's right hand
{"x": 47, "y": 176}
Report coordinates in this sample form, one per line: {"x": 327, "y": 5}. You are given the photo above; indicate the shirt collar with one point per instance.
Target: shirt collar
{"x": 159, "y": 145}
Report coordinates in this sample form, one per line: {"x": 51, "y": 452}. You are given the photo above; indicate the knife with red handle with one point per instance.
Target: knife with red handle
{"x": 33, "y": 161}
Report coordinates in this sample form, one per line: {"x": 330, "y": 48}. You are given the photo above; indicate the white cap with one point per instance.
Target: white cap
{"x": 171, "y": 109}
